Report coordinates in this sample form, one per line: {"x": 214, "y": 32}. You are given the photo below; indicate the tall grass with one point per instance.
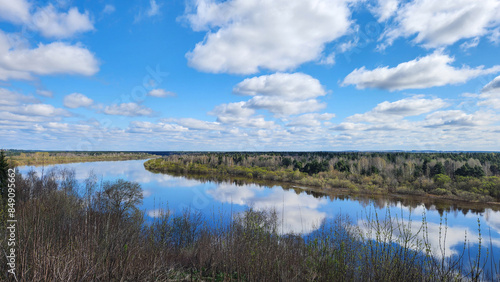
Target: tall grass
{"x": 69, "y": 232}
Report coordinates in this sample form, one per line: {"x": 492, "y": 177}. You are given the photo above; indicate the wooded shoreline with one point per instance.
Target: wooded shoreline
{"x": 470, "y": 177}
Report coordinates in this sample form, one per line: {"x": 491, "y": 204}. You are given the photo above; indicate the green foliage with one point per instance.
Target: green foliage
{"x": 342, "y": 166}
{"x": 466, "y": 170}
{"x": 437, "y": 169}
{"x": 54, "y": 157}
{"x": 442, "y": 179}
{"x": 4, "y": 167}
{"x": 373, "y": 172}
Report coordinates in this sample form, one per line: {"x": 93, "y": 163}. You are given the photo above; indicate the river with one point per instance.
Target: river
{"x": 299, "y": 211}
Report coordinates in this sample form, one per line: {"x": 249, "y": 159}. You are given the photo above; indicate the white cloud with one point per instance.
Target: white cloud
{"x": 429, "y": 71}
{"x": 281, "y": 107}
{"x": 9, "y": 98}
{"x": 495, "y": 36}
{"x": 391, "y": 111}
{"x": 109, "y": 9}
{"x": 76, "y": 100}
{"x": 154, "y": 8}
{"x": 196, "y": 124}
{"x": 160, "y": 93}
{"x": 282, "y": 93}
{"x": 149, "y": 127}
{"x": 128, "y": 109}
{"x": 15, "y": 11}
{"x": 244, "y": 36}
{"x": 492, "y": 86}
{"x": 470, "y": 44}
{"x": 297, "y": 86}
{"x": 52, "y": 23}
{"x": 459, "y": 118}
{"x": 239, "y": 115}
{"x": 490, "y": 94}
{"x": 43, "y": 110}
{"x": 45, "y": 93}
{"x": 23, "y": 109}
{"x": 47, "y": 20}
{"x": 54, "y": 58}
{"x": 441, "y": 23}
{"x": 328, "y": 60}
{"x": 385, "y": 9}
{"x": 310, "y": 120}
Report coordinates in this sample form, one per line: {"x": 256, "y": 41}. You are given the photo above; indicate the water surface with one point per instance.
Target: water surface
{"x": 298, "y": 211}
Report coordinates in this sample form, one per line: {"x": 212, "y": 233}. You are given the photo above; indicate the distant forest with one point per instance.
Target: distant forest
{"x": 466, "y": 176}
{"x": 19, "y": 157}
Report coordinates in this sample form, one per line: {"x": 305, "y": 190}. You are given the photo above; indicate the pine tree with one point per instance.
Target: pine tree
{"x": 4, "y": 174}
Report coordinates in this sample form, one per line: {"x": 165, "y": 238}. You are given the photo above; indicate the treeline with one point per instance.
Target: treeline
{"x": 20, "y": 158}
{"x": 91, "y": 231}
{"x": 464, "y": 176}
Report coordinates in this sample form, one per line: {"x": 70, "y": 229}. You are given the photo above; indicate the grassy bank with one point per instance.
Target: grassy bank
{"x": 49, "y": 158}
{"x": 353, "y": 172}
{"x": 90, "y": 231}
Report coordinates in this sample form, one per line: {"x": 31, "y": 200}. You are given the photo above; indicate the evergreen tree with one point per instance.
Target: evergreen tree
{"x": 4, "y": 174}
{"x": 437, "y": 169}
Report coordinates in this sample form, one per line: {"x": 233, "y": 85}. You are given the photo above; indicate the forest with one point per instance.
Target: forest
{"x": 468, "y": 176}
{"x": 20, "y": 157}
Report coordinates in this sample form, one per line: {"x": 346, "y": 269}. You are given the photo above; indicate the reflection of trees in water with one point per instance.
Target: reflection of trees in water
{"x": 442, "y": 206}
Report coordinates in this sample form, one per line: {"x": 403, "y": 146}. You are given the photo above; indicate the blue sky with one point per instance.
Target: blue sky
{"x": 250, "y": 75}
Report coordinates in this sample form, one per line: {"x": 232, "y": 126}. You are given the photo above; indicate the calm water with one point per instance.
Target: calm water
{"x": 299, "y": 212}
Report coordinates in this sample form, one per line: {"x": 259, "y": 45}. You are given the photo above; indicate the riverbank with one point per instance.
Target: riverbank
{"x": 103, "y": 236}
{"x": 51, "y": 158}
{"x": 464, "y": 189}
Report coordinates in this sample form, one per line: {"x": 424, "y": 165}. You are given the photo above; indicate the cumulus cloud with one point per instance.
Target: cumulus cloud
{"x": 459, "y": 118}
{"x": 76, "y": 100}
{"x": 490, "y": 94}
{"x": 239, "y": 115}
{"x": 284, "y": 85}
{"x": 19, "y": 108}
{"x": 44, "y": 110}
{"x": 128, "y": 109}
{"x": 18, "y": 62}
{"x": 391, "y": 111}
{"x": 149, "y": 127}
{"x": 160, "y": 93}
{"x": 385, "y": 9}
{"x": 282, "y": 94}
{"x": 310, "y": 120}
{"x": 441, "y": 23}
{"x": 429, "y": 71}
{"x": 281, "y": 107}
{"x": 492, "y": 86}
{"x": 245, "y": 36}
{"x": 52, "y": 23}
{"x": 9, "y": 98}
{"x": 15, "y": 11}
{"x": 196, "y": 124}
{"x": 47, "y": 20}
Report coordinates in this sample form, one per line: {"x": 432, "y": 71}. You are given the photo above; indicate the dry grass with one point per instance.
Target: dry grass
{"x": 66, "y": 237}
